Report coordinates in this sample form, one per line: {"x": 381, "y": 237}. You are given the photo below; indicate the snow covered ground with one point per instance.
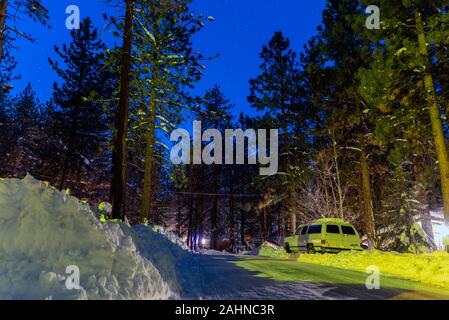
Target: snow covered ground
{"x": 43, "y": 232}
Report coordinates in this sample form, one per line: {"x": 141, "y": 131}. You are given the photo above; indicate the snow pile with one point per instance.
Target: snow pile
{"x": 270, "y": 250}
{"x": 211, "y": 252}
{"x": 162, "y": 250}
{"x": 42, "y": 232}
{"x": 174, "y": 239}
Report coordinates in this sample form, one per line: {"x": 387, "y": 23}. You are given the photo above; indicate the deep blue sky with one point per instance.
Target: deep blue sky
{"x": 240, "y": 29}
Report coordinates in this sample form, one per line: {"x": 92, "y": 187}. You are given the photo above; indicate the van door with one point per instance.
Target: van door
{"x": 333, "y": 236}
{"x": 314, "y": 235}
{"x": 303, "y": 238}
{"x": 294, "y": 240}
{"x": 351, "y": 239}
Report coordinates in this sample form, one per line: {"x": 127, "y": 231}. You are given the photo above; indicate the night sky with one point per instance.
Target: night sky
{"x": 240, "y": 29}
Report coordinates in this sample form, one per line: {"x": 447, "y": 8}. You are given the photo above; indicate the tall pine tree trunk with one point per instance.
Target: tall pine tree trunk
{"x": 242, "y": 217}
{"x": 190, "y": 221}
{"x": 149, "y": 159}
{"x": 290, "y": 200}
{"x": 368, "y": 216}
{"x": 231, "y": 211}
{"x": 262, "y": 222}
{"x": 214, "y": 214}
{"x": 269, "y": 226}
{"x": 147, "y": 196}
{"x": 337, "y": 172}
{"x": 118, "y": 184}
{"x": 65, "y": 168}
{"x": 435, "y": 116}
{"x": 423, "y": 196}
{"x": 292, "y": 207}
{"x": 3, "y": 7}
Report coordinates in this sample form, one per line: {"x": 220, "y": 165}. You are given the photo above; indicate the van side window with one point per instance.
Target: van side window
{"x": 348, "y": 230}
{"x": 314, "y": 229}
{"x": 332, "y": 228}
{"x": 298, "y": 231}
{"x": 304, "y": 229}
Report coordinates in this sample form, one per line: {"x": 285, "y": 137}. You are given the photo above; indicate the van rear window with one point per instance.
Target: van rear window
{"x": 332, "y": 228}
{"x": 348, "y": 230}
{"x": 314, "y": 229}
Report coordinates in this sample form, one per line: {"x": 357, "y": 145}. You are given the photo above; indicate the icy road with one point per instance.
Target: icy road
{"x": 251, "y": 278}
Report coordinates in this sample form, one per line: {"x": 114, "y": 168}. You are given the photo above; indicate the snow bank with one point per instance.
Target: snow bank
{"x": 162, "y": 249}
{"x": 270, "y": 250}
{"x": 42, "y": 232}
{"x": 174, "y": 239}
{"x": 211, "y": 252}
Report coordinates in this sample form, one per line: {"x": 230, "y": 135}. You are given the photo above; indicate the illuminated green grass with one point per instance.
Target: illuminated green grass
{"x": 431, "y": 269}
{"x": 293, "y": 271}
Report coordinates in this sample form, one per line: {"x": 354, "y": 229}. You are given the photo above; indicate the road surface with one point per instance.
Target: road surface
{"x": 226, "y": 277}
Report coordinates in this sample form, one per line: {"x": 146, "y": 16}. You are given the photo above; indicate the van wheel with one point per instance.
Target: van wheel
{"x": 287, "y": 247}
{"x": 310, "y": 249}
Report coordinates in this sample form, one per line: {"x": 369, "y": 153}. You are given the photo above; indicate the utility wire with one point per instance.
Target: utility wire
{"x": 219, "y": 194}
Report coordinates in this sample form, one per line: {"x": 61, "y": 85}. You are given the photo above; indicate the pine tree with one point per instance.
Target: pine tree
{"x": 331, "y": 64}
{"x": 79, "y": 119}
{"x": 169, "y": 68}
{"x": 120, "y": 149}
{"x": 23, "y": 149}
{"x": 6, "y": 126}
{"x": 26, "y": 111}
{"x": 405, "y": 49}
{"x": 215, "y": 115}
{"x": 276, "y": 91}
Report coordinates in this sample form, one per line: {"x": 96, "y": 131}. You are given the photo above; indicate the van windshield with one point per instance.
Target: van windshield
{"x": 348, "y": 230}
{"x": 314, "y": 229}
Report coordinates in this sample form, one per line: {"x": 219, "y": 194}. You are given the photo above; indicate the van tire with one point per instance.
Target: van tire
{"x": 310, "y": 249}
{"x": 287, "y": 247}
